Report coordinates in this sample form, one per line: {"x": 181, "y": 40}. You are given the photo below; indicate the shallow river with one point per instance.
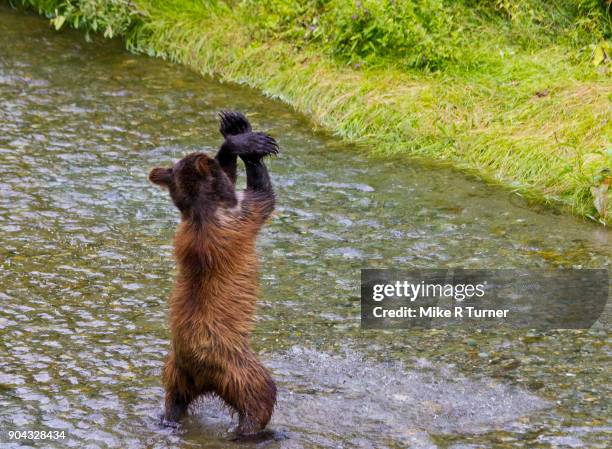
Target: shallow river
{"x": 86, "y": 266}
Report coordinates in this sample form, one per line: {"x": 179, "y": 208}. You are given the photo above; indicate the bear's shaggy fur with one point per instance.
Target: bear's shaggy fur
{"x": 213, "y": 302}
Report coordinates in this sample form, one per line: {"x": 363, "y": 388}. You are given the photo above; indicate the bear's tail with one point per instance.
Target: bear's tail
{"x": 233, "y": 123}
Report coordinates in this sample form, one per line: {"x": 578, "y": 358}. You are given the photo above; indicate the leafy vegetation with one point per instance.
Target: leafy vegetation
{"x": 517, "y": 91}
{"x": 425, "y": 34}
{"x": 111, "y": 17}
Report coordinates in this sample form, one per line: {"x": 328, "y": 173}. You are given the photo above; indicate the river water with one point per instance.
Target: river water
{"x": 86, "y": 267}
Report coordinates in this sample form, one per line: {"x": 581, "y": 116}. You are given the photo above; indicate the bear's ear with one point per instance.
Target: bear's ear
{"x": 161, "y": 176}
{"x": 204, "y": 165}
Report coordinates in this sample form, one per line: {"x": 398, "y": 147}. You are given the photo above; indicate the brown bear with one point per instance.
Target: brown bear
{"x": 212, "y": 305}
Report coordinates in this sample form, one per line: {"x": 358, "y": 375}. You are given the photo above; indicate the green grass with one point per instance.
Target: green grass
{"x": 516, "y": 91}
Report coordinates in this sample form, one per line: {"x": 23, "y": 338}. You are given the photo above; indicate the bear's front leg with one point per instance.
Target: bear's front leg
{"x": 251, "y": 146}
{"x": 241, "y": 141}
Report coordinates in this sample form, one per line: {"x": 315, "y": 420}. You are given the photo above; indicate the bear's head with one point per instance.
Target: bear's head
{"x": 197, "y": 184}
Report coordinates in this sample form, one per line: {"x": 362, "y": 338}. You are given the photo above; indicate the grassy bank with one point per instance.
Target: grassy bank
{"x": 517, "y": 91}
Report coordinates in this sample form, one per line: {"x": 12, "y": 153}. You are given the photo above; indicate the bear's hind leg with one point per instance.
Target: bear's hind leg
{"x": 248, "y": 388}
{"x": 180, "y": 391}
{"x": 175, "y": 408}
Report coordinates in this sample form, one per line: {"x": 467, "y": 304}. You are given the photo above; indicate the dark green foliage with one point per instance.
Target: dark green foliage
{"x": 424, "y": 34}
{"x": 578, "y": 22}
{"x": 111, "y": 17}
{"x": 408, "y": 34}
{"x": 417, "y": 34}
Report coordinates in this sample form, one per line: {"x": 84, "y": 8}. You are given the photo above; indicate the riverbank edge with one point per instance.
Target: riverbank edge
{"x": 360, "y": 107}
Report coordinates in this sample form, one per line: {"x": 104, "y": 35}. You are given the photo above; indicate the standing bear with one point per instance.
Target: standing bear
{"x": 213, "y": 302}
